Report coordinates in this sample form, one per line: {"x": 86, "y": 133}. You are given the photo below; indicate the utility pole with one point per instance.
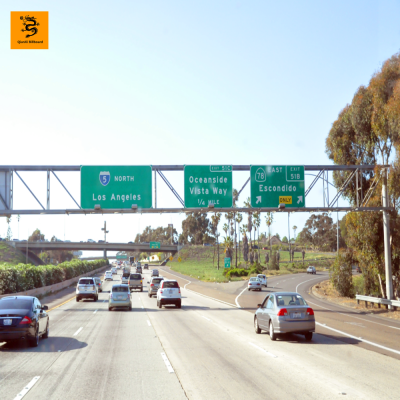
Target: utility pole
{"x": 386, "y": 239}
{"x": 171, "y": 226}
{"x": 290, "y": 248}
{"x": 105, "y": 237}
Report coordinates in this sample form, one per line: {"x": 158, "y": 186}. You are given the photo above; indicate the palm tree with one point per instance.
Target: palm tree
{"x": 235, "y": 194}
{"x": 214, "y": 226}
{"x": 247, "y": 204}
{"x": 239, "y": 219}
{"x": 225, "y": 228}
{"x": 294, "y": 232}
{"x": 269, "y": 219}
{"x": 257, "y": 223}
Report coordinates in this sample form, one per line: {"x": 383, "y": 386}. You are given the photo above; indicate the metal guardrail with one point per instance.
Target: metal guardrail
{"x": 378, "y": 300}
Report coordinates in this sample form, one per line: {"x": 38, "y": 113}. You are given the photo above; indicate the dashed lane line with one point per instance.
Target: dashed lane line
{"x": 208, "y": 319}
{"x": 78, "y": 331}
{"x": 263, "y": 350}
{"x": 27, "y": 388}
{"x": 148, "y": 323}
{"x": 167, "y": 363}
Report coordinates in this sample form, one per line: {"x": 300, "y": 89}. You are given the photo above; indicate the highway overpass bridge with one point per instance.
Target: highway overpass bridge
{"x": 74, "y": 246}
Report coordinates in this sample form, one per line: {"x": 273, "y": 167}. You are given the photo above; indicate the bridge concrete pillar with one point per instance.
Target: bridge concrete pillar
{"x": 105, "y": 253}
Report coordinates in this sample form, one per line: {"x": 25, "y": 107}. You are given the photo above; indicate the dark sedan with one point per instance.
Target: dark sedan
{"x": 23, "y": 317}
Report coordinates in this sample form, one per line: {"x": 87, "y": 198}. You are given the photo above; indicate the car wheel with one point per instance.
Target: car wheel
{"x": 248, "y": 290}
{"x": 130, "y": 308}
{"x": 272, "y": 334}
{"x": 159, "y": 304}
{"x": 109, "y": 308}
{"x": 46, "y": 334}
{"x": 77, "y": 299}
{"x": 149, "y": 295}
{"x": 141, "y": 289}
{"x": 308, "y": 336}
{"x": 34, "y": 342}
{"x": 179, "y": 305}
{"x": 256, "y": 327}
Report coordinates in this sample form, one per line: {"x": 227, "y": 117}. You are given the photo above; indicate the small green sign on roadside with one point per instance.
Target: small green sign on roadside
{"x": 116, "y": 186}
{"x": 155, "y": 245}
{"x": 207, "y": 185}
{"x": 227, "y": 262}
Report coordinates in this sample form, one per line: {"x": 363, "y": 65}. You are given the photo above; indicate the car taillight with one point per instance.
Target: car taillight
{"x": 258, "y": 284}
{"x": 161, "y": 291}
{"x": 141, "y": 281}
{"x": 282, "y": 312}
{"x": 310, "y": 311}
{"x": 111, "y": 296}
{"x": 179, "y": 290}
{"x": 152, "y": 284}
{"x": 25, "y": 321}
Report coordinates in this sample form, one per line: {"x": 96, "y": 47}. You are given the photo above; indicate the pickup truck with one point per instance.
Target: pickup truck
{"x": 136, "y": 282}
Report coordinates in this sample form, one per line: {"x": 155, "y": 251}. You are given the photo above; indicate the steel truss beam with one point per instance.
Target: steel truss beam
{"x": 192, "y": 210}
{"x": 171, "y": 187}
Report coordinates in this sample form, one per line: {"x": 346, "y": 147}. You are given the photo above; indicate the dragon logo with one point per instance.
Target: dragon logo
{"x": 30, "y": 25}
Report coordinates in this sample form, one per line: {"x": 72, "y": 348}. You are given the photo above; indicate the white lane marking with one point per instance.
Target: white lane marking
{"x": 265, "y": 351}
{"x": 148, "y": 323}
{"x": 27, "y": 388}
{"x": 352, "y": 316}
{"x": 142, "y": 307}
{"x": 77, "y": 332}
{"x": 104, "y": 301}
{"x": 167, "y": 363}
{"x": 212, "y": 298}
{"x": 306, "y": 281}
{"x": 208, "y": 319}
{"x": 236, "y": 300}
{"x": 189, "y": 282}
{"x": 359, "y": 338}
{"x": 95, "y": 312}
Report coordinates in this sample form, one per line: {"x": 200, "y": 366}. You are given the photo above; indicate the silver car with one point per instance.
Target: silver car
{"x": 285, "y": 312}
{"x": 99, "y": 283}
{"x": 120, "y": 296}
{"x": 154, "y": 284}
{"x": 254, "y": 284}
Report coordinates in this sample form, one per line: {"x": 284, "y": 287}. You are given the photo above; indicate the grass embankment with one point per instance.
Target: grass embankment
{"x": 9, "y": 254}
{"x": 197, "y": 261}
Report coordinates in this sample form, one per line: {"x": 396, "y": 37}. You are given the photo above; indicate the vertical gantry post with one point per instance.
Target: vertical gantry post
{"x": 323, "y": 186}
{"x": 358, "y": 203}
{"x": 386, "y": 239}
{"x": 48, "y": 189}
{"x": 155, "y": 188}
{"x": 11, "y": 189}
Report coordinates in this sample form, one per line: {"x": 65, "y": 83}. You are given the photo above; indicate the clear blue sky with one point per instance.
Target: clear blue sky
{"x": 182, "y": 82}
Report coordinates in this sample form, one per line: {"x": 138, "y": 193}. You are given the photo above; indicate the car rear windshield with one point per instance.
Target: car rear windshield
{"x": 156, "y": 280}
{"x": 261, "y": 276}
{"x": 126, "y": 274}
{"x": 86, "y": 282}
{"x": 290, "y": 300}
{"x": 170, "y": 285}
{"x": 254, "y": 279}
{"x": 120, "y": 289}
{"x": 16, "y": 304}
{"x": 136, "y": 276}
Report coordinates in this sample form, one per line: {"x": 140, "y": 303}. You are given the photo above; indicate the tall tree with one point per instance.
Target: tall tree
{"x": 196, "y": 229}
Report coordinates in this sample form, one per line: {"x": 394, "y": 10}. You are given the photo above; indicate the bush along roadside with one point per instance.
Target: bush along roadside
{"x": 22, "y": 277}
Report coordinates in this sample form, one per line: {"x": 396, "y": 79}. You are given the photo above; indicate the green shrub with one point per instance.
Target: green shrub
{"x": 236, "y": 272}
{"x": 22, "y": 277}
{"x": 341, "y": 274}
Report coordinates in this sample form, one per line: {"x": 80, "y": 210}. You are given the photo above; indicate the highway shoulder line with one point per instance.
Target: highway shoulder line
{"x": 27, "y": 388}
{"x": 236, "y": 300}
{"x": 358, "y": 338}
{"x": 78, "y": 331}
{"x": 212, "y": 298}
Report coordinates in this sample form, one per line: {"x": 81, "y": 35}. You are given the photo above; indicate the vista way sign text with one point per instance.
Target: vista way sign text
{"x": 208, "y": 184}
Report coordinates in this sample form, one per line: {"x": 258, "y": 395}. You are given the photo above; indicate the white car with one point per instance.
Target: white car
{"x": 254, "y": 284}
{"x": 169, "y": 292}
{"x": 87, "y": 289}
{"x": 263, "y": 279}
{"x": 108, "y": 276}
{"x": 311, "y": 270}
{"x": 113, "y": 270}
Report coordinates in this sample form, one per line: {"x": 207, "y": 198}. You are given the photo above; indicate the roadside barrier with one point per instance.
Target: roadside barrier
{"x": 378, "y": 300}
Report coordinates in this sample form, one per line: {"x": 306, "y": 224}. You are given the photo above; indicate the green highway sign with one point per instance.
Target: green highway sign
{"x": 208, "y": 184}
{"x": 155, "y": 245}
{"x": 272, "y": 185}
{"x": 116, "y": 187}
{"x": 122, "y": 257}
{"x": 227, "y": 262}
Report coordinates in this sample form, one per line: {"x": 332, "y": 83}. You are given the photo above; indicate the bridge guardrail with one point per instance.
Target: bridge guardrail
{"x": 378, "y": 300}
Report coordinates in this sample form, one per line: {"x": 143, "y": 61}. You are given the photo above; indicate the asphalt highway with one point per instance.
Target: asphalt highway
{"x": 206, "y": 350}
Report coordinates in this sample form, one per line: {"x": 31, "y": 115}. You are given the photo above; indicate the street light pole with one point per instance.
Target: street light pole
{"x": 290, "y": 248}
{"x": 105, "y": 237}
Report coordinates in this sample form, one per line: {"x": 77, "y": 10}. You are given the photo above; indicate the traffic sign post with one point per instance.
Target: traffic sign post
{"x": 155, "y": 245}
{"x": 171, "y": 258}
{"x": 116, "y": 187}
{"x": 272, "y": 185}
{"x": 227, "y": 262}
{"x": 207, "y": 185}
